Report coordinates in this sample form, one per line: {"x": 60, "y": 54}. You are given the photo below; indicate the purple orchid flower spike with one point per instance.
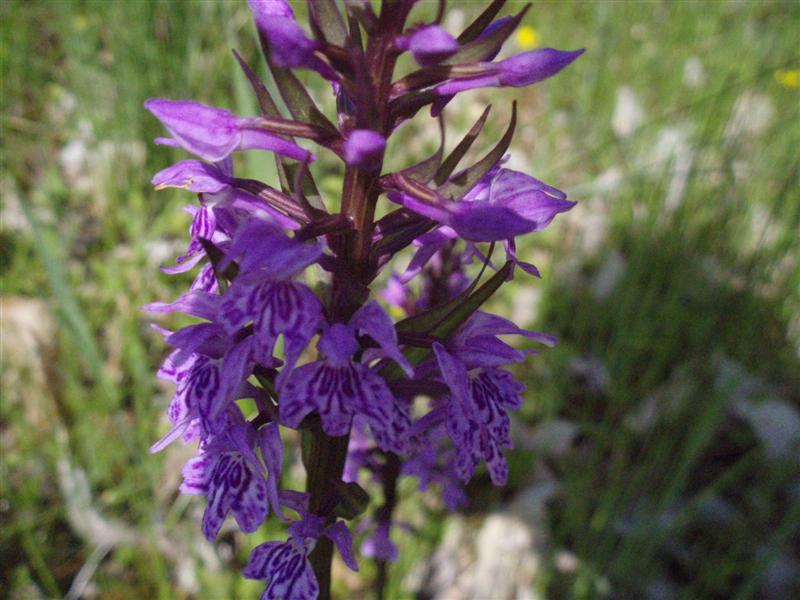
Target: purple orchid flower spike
{"x": 214, "y": 133}
{"x": 285, "y": 565}
{"x": 519, "y": 70}
{"x": 338, "y": 387}
{"x": 227, "y": 471}
{"x": 289, "y": 46}
{"x": 513, "y": 204}
{"x": 256, "y": 315}
{"x": 265, "y": 295}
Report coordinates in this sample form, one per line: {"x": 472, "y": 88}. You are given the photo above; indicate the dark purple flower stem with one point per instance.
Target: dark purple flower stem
{"x": 327, "y": 454}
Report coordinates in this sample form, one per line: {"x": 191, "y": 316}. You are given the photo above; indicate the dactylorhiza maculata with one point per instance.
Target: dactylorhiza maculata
{"x": 426, "y": 396}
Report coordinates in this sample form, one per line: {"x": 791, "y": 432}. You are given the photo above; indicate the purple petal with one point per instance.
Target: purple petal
{"x": 192, "y": 175}
{"x": 236, "y": 367}
{"x": 269, "y": 252}
{"x": 529, "y": 67}
{"x": 269, "y": 9}
{"x": 431, "y": 45}
{"x": 249, "y": 495}
{"x": 269, "y": 440}
{"x": 214, "y": 133}
{"x": 437, "y": 213}
{"x": 338, "y": 343}
{"x": 340, "y": 535}
{"x": 486, "y": 324}
{"x": 260, "y": 209}
{"x": 488, "y": 351}
{"x": 196, "y": 337}
{"x": 195, "y": 303}
{"x": 185, "y": 265}
{"x": 206, "y": 281}
{"x": 372, "y": 320}
{"x": 290, "y": 309}
{"x": 197, "y": 475}
{"x": 259, "y": 139}
{"x": 379, "y": 545}
{"x": 285, "y": 567}
{"x": 533, "y": 200}
{"x": 388, "y": 419}
{"x": 235, "y": 486}
{"x": 453, "y": 372}
{"x": 429, "y": 244}
{"x": 455, "y": 86}
{"x": 364, "y": 148}
{"x": 173, "y": 434}
{"x": 206, "y": 131}
{"x": 484, "y": 222}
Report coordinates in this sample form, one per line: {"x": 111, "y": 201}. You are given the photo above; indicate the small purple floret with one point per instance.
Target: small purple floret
{"x": 364, "y": 148}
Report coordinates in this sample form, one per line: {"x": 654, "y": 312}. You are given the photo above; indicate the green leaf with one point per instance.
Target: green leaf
{"x": 326, "y": 17}
{"x": 459, "y": 315}
{"x": 353, "y": 500}
{"x": 428, "y": 321}
{"x": 443, "y": 320}
{"x": 425, "y": 170}
{"x": 460, "y": 185}
{"x": 479, "y": 24}
{"x": 297, "y": 98}
{"x": 265, "y": 101}
{"x": 70, "y": 311}
{"x": 286, "y": 167}
{"x": 450, "y": 163}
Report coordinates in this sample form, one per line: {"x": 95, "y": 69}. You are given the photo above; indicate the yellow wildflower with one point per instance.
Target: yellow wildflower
{"x": 788, "y": 78}
{"x": 527, "y": 37}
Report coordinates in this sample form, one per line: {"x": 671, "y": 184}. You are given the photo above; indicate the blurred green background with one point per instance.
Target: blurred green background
{"x": 657, "y": 456}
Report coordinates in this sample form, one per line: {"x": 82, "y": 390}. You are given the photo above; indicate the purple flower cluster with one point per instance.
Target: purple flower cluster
{"x": 357, "y": 400}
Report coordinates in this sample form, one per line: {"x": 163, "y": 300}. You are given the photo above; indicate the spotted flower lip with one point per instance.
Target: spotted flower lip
{"x": 338, "y": 387}
{"x": 215, "y": 133}
{"x": 477, "y": 420}
{"x": 285, "y": 565}
{"x": 229, "y": 474}
{"x": 519, "y": 70}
